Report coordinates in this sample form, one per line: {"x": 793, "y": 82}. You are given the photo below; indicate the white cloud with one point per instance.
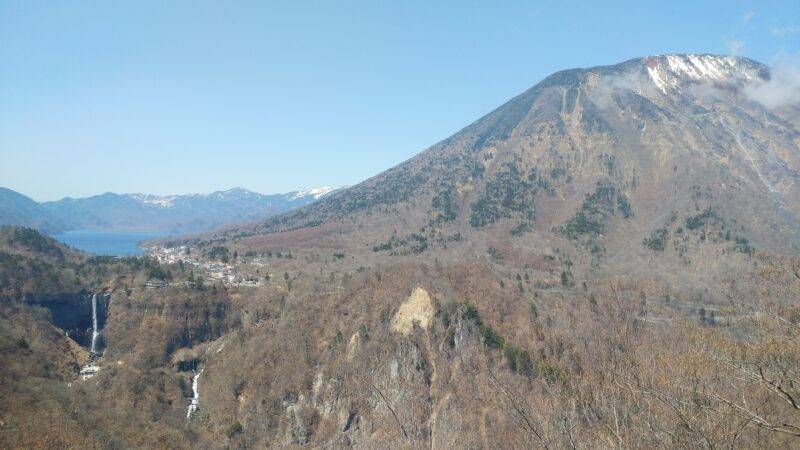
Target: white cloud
{"x": 706, "y": 92}
{"x": 633, "y": 80}
{"x": 747, "y": 17}
{"x": 782, "y": 89}
{"x": 735, "y": 46}
{"x": 784, "y": 31}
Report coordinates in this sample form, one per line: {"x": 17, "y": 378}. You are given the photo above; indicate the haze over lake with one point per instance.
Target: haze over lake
{"x": 107, "y": 242}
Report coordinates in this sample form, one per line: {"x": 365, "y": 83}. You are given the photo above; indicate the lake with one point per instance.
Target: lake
{"x": 107, "y": 242}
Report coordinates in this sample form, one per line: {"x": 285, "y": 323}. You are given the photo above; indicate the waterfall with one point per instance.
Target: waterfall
{"x": 95, "y": 327}
{"x": 90, "y": 369}
{"x": 195, "y": 395}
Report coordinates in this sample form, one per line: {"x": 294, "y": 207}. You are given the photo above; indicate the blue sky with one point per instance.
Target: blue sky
{"x": 177, "y": 97}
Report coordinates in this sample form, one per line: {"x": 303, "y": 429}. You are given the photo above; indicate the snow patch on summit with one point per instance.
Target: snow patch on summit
{"x": 163, "y": 202}
{"x": 317, "y": 192}
{"x": 670, "y": 72}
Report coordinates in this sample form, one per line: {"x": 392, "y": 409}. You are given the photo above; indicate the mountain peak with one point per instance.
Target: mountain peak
{"x": 678, "y": 120}
{"x": 183, "y": 213}
{"x": 236, "y": 190}
{"x": 317, "y": 192}
{"x": 668, "y": 72}
{"x": 672, "y": 70}
{"x": 150, "y": 199}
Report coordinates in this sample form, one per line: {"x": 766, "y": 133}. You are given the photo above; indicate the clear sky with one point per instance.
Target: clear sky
{"x": 174, "y": 97}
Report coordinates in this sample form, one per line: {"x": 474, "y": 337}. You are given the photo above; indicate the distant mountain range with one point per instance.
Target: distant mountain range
{"x": 175, "y": 214}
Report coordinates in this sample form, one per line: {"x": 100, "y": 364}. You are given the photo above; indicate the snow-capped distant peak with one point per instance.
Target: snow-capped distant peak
{"x": 148, "y": 199}
{"x": 163, "y": 202}
{"x": 317, "y": 192}
{"x": 669, "y": 72}
{"x": 230, "y": 192}
{"x": 229, "y": 195}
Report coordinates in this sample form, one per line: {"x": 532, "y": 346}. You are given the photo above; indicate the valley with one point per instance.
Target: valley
{"x": 608, "y": 260}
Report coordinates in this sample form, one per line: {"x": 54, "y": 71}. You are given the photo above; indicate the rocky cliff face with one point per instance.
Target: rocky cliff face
{"x": 73, "y": 313}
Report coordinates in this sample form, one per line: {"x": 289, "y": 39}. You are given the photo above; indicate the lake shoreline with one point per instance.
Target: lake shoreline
{"x": 108, "y": 242}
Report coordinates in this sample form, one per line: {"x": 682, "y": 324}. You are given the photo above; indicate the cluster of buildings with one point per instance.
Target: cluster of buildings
{"x": 208, "y": 270}
{"x": 219, "y": 271}
{"x": 171, "y": 255}
{"x": 88, "y": 371}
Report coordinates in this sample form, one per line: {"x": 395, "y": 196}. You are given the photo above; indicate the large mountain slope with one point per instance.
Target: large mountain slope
{"x": 143, "y": 212}
{"x": 18, "y": 209}
{"x": 684, "y": 157}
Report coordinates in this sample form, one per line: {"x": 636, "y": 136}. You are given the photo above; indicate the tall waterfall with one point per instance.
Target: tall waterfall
{"x": 95, "y": 326}
{"x": 195, "y": 395}
{"x": 91, "y": 369}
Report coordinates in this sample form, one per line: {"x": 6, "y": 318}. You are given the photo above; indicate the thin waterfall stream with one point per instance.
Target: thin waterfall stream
{"x": 90, "y": 369}
{"x": 95, "y": 327}
{"x": 195, "y": 395}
